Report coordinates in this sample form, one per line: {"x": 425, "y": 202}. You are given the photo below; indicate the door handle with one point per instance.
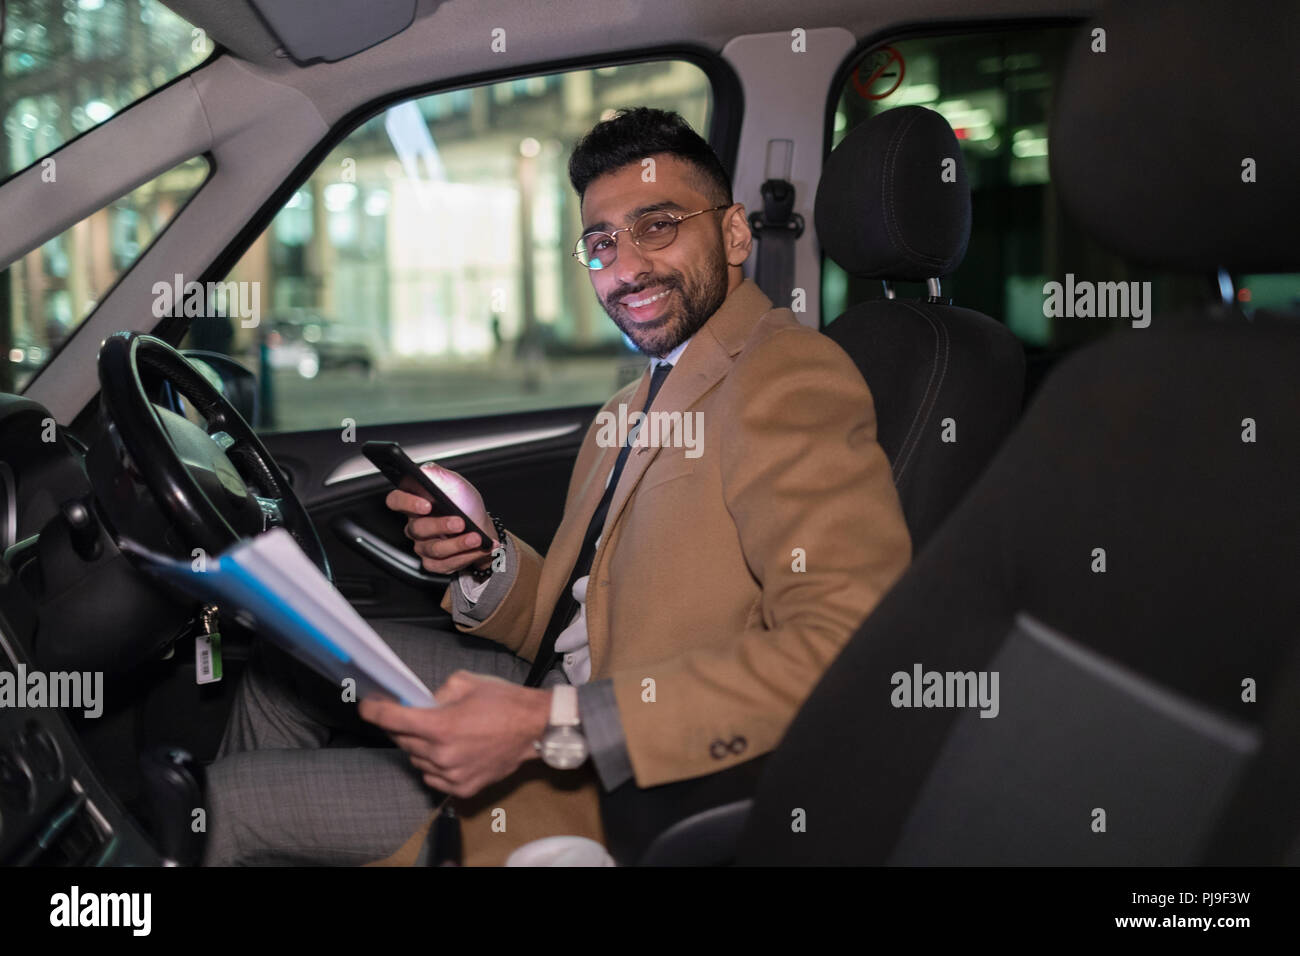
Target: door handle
{"x": 401, "y": 564}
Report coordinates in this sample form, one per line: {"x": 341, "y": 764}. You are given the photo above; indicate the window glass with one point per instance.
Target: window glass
{"x": 69, "y": 65}
{"x": 995, "y": 90}
{"x": 48, "y": 293}
{"x": 1269, "y": 292}
{"x": 423, "y": 271}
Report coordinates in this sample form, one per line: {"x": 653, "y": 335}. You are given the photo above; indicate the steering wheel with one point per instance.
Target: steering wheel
{"x": 217, "y": 485}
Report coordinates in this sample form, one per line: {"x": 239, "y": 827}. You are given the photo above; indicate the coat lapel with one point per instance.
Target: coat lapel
{"x": 563, "y": 551}
{"x": 702, "y": 365}
{"x": 705, "y": 362}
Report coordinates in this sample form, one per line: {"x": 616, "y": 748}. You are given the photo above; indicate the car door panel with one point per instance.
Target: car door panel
{"x": 520, "y": 463}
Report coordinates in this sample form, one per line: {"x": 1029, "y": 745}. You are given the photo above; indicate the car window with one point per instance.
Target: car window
{"x": 995, "y": 89}
{"x": 48, "y": 293}
{"x": 1276, "y": 291}
{"x": 424, "y": 270}
{"x": 69, "y": 65}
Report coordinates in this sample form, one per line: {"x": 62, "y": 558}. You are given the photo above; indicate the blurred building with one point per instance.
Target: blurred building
{"x": 69, "y": 65}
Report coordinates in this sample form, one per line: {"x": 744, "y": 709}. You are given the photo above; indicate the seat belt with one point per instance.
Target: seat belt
{"x": 778, "y": 226}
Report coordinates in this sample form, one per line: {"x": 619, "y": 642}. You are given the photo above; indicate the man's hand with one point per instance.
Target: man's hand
{"x": 438, "y": 541}
{"x": 481, "y": 731}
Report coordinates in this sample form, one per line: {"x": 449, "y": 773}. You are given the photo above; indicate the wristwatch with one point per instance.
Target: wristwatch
{"x": 562, "y": 745}
{"x": 479, "y": 575}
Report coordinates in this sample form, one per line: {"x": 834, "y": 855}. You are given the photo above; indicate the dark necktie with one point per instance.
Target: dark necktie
{"x": 567, "y": 604}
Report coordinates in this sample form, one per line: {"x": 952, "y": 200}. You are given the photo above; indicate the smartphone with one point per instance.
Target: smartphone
{"x": 406, "y": 475}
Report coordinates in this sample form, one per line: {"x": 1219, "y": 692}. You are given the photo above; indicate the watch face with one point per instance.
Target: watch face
{"x": 564, "y": 748}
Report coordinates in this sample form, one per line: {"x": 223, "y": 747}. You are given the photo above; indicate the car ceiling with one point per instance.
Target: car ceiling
{"x": 451, "y": 37}
{"x": 258, "y": 115}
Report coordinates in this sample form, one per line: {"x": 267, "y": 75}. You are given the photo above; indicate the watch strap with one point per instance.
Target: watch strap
{"x": 479, "y": 575}
{"x": 564, "y": 706}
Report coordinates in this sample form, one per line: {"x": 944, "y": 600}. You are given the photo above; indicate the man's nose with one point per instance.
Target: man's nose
{"x": 631, "y": 261}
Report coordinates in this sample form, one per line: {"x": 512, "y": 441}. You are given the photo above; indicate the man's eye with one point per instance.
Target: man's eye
{"x": 658, "y": 225}
{"x": 598, "y": 245}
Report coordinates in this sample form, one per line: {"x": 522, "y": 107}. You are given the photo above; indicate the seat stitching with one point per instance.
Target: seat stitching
{"x": 892, "y": 151}
{"x": 931, "y": 389}
{"x": 902, "y": 448}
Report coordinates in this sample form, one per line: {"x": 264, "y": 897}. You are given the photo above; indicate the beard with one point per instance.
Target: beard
{"x": 698, "y": 297}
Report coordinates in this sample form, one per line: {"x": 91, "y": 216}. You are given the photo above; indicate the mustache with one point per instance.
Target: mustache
{"x": 664, "y": 283}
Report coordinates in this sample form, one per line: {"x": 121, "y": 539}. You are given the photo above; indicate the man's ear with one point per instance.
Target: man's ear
{"x": 736, "y": 235}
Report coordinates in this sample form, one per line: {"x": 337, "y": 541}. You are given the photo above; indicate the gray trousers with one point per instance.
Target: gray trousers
{"x": 278, "y": 795}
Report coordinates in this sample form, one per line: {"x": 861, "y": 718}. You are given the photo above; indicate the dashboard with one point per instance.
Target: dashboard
{"x": 54, "y": 810}
{"x": 63, "y": 587}
{"x": 39, "y": 468}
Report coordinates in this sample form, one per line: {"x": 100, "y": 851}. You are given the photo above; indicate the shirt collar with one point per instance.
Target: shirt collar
{"x": 672, "y": 357}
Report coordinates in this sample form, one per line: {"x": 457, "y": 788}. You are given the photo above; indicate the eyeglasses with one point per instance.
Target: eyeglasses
{"x": 654, "y": 230}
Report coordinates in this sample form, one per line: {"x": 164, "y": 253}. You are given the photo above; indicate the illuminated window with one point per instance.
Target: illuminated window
{"x": 69, "y": 66}
{"x": 404, "y": 253}
{"x": 995, "y": 90}
{"x": 52, "y": 289}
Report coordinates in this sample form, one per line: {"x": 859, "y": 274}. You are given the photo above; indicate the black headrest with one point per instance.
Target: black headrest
{"x": 1150, "y": 138}
{"x": 889, "y": 206}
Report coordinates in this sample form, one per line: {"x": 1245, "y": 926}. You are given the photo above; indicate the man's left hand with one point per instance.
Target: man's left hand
{"x": 481, "y": 731}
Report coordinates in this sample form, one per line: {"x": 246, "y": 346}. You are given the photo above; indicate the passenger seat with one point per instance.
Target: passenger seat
{"x": 894, "y": 204}
{"x": 1122, "y": 578}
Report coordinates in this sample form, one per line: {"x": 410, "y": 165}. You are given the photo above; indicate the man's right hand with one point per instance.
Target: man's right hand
{"x": 440, "y": 542}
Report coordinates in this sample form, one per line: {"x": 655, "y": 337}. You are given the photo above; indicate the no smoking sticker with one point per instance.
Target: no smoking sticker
{"x": 880, "y": 74}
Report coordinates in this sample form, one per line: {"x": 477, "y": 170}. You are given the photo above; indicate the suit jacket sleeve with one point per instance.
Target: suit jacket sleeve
{"x": 801, "y": 469}
{"x": 472, "y": 601}
{"x": 509, "y": 621}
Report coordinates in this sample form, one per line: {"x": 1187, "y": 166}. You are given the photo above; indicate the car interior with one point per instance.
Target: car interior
{"x": 375, "y": 195}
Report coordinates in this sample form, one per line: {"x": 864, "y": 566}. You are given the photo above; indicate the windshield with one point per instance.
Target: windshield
{"x": 71, "y": 64}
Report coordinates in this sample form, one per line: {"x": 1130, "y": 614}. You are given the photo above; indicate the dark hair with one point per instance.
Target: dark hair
{"x": 633, "y": 134}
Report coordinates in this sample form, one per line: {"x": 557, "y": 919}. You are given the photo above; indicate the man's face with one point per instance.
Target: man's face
{"x": 660, "y": 297}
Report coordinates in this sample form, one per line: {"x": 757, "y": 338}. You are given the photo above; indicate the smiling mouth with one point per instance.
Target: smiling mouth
{"x": 644, "y": 301}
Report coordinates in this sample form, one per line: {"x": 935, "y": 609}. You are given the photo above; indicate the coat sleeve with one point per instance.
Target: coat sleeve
{"x": 509, "y": 622}
{"x": 802, "y": 474}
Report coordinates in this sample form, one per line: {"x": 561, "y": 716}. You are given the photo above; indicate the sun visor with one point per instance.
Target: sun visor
{"x": 311, "y": 31}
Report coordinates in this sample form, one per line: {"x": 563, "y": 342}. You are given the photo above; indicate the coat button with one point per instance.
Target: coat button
{"x": 720, "y": 749}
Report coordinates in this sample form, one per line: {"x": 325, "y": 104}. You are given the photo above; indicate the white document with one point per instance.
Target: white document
{"x": 275, "y": 558}
{"x": 270, "y": 585}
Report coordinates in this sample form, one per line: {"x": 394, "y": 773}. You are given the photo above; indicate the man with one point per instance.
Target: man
{"x": 693, "y": 594}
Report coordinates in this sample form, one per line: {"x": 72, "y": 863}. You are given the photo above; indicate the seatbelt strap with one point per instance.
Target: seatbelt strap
{"x": 777, "y": 227}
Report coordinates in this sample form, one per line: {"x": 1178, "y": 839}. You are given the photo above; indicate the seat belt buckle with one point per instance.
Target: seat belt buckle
{"x": 778, "y": 192}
